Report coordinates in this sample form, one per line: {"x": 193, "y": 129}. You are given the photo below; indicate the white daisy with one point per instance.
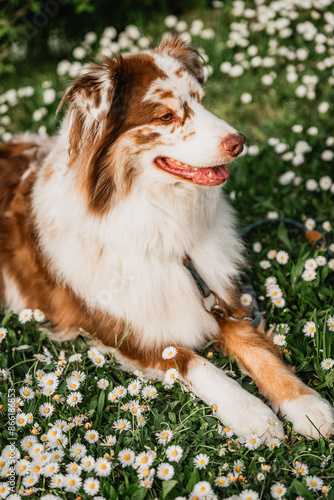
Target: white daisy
{"x": 102, "y": 467}
{"x": 174, "y": 453}
{"x": 246, "y": 299}
{"x": 57, "y": 481}
{"x": 314, "y": 483}
{"x": 22, "y": 467}
{"x": 279, "y": 302}
{"x": 46, "y": 410}
{"x": 29, "y": 480}
{"x": 279, "y": 340}
{"x": 301, "y": 469}
{"x": 149, "y": 392}
{"x": 164, "y": 436}
{"x": 134, "y": 387}
{"x": 72, "y": 383}
{"x": 144, "y": 459}
{"x": 277, "y": 490}
{"x": 202, "y": 490}
{"x": 21, "y": 419}
{"x": 87, "y": 463}
{"x": 49, "y": 380}
{"x": 201, "y": 461}
{"x": 120, "y": 391}
{"x": 121, "y": 425}
{"x": 270, "y": 281}
{"x": 238, "y": 467}
{"x": 98, "y": 360}
{"x": 73, "y": 468}
{"x": 25, "y": 316}
{"x": 257, "y": 247}
{"x": 330, "y": 323}
{"x": 77, "y": 451}
{"x": 252, "y": 442}
{"x": 126, "y": 457}
{"x": 5, "y": 490}
{"x": 26, "y": 392}
{"x": 92, "y": 352}
{"x": 74, "y": 398}
{"x": 145, "y": 473}
{"x": 39, "y": 316}
{"x": 311, "y": 264}
{"x": 309, "y": 329}
{"x": 141, "y": 421}
{"x": 91, "y": 486}
{"x": 327, "y": 363}
{"x": 75, "y": 357}
{"x": 227, "y": 431}
{"x": 171, "y": 375}
{"x": 103, "y": 384}
{"x": 327, "y": 226}
{"x": 265, "y": 264}
{"x": 248, "y": 495}
{"x": 50, "y": 469}
{"x": 58, "y": 454}
{"x": 109, "y": 441}
{"x": 92, "y": 436}
{"x": 271, "y": 254}
{"x": 165, "y": 471}
{"x": 321, "y": 261}
{"x": 3, "y": 333}
{"x": 309, "y": 275}
{"x": 274, "y": 292}
{"x": 169, "y": 352}
{"x": 274, "y": 443}
{"x": 309, "y": 224}
{"x": 222, "y": 482}
{"x": 81, "y": 376}
{"x": 28, "y": 442}
{"x": 282, "y": 257}
{"x": 72, "y": 483}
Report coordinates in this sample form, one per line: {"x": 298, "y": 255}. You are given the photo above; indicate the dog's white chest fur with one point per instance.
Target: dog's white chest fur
{"x": 129, "y": 263}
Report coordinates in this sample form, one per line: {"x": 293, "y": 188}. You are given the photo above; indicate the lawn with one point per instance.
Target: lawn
{"x": 83, "y": 428}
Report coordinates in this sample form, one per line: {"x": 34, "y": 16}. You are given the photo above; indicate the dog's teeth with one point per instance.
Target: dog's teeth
{"x": 177, "y": 163}
{"x": 209, "y": 174}
{"x": 195, "y": 169}
{"x": 185, "y": 165}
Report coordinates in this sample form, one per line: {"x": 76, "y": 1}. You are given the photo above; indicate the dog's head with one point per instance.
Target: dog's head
{"x": 140, "y": 119}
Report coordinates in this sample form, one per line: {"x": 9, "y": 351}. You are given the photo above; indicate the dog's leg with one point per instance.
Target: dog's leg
{"x": 235, "y": 406}
{"x": 258, "y": 357}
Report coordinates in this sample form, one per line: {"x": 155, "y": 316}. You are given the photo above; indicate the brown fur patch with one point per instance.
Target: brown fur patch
{"x": 261, "y": 359}
{"x": 187, "y": 55}
{"x": 96, "y": 144}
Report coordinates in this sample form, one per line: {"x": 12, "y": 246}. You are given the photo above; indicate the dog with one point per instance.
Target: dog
{"x": 95, "y": 225}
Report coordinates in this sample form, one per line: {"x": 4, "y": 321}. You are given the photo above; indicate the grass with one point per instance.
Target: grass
{"x": 255, "y": 189}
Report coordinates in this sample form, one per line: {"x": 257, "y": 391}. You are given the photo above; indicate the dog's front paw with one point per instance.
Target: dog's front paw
{"x": 310, "y": 415}
{"x": 251, "y": 416}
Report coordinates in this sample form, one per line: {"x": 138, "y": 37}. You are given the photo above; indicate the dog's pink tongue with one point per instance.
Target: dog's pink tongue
{"x": 211, "y": 175}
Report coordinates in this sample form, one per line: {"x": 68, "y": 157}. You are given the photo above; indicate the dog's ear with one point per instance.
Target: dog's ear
{"x": 186, "y": 54}
{"x": 92, "y": 93}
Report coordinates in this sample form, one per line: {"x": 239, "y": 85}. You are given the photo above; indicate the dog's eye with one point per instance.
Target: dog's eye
{"x": 167, "y": 117}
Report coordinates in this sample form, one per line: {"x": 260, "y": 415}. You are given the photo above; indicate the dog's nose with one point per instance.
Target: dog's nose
{"x": 233, "y": 144}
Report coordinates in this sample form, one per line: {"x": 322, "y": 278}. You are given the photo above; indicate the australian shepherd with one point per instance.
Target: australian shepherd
{"x": 96, "y": 222}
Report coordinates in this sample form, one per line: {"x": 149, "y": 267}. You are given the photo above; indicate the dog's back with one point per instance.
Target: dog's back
{"x": 15, "y": 160}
